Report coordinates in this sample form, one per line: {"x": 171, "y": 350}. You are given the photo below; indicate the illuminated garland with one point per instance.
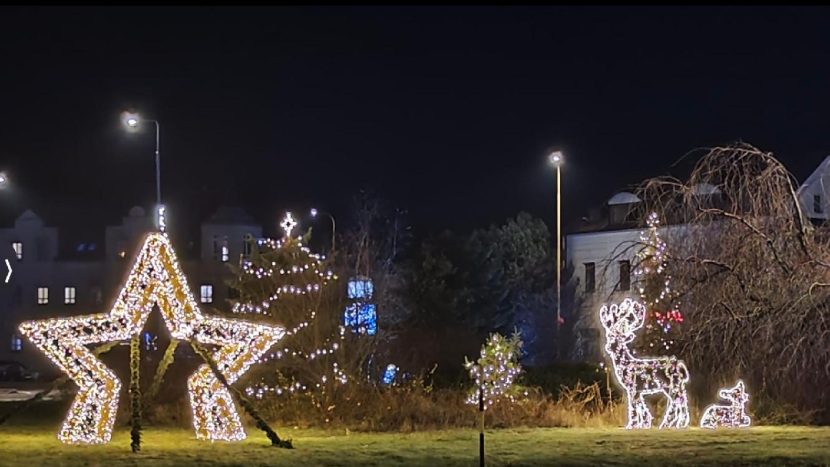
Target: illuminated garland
{"x": 496, "y": 370}
{"x": 653, "y": 262}
{"x": 732, "y": 415}
{"x": 642, "y": 377}
{"x": 155, "y": 278}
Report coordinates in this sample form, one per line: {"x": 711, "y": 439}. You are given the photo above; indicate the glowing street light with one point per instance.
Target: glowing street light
{"x": 133, "y": 121}
{"x": 4, "y": 181}
{"x": 556, "y": 159}
{"x": 314, "y": 212}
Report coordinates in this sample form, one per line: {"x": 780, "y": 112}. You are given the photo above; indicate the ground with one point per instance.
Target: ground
{"x": 26, "y": 445}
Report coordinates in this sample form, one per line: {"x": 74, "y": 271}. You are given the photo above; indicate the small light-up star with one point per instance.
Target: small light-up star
{"x": 288, "y": 224}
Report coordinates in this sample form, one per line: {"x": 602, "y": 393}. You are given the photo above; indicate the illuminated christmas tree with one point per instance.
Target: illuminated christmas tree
{"x": 496, "y": 370}
{"x": 654, "y": 282}
{"x": 283, "y": 282}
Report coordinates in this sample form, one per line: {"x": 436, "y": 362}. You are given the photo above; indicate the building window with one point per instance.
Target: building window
{"x": 817, "y": 207}
{"x": 225, "y": 253}
{"x": 69, "y": 295}
{"x": 590, "y": 277}
{"x": 17, "y": 343}
{"x": 42, "y": 295}
{"x": 18, "y": 250}
{"x": 207, "y": 293}
{"x": 246, "y": 247}
{"x": 625, "y": 275}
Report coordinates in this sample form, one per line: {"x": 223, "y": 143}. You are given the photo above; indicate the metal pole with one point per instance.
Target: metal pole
{"x": 481, "y": 427}
{"x": 158, "y": 166}
{"x": 558, "y": 264}
{"x": 333, "y": 232}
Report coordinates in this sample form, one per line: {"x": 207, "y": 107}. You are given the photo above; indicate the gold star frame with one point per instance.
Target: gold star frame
{"x": 155, "y": 278}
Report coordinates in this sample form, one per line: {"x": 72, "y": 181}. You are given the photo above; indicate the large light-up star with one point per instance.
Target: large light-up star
{"x": 156, "y": 278}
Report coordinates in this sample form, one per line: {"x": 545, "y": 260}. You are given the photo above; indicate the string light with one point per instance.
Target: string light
{"x": 155, "y": 278}
{"x": 162, "y": 218}
{"x": 311, "y": 265}
{"x": 653, "y": 261}
{"x": 496, "y": 370}
{"x": 732, "y": 415}
{"x": 641, "y": 377}
{"x": 389, "y": 374}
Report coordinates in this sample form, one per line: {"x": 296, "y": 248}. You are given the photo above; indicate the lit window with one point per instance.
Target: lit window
{"x": 18, "y": 250}
{"x": 590, "y": 277}
{"x": 225, "y": 253}
{"x": 17, "y": 343}
{"x": 42, "y": 295}
{"x": 625, "y": 275}
{"x": 817, "y": 207}
{"x": 207, "y": 294}
{"x": 69, "y": 295}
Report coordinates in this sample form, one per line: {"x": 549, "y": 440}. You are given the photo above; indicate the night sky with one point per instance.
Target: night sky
{"x": 447, "y": 112}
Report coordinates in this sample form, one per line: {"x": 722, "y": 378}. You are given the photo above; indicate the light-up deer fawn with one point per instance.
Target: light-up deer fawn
{"x": 641, "y": 377}
{"x": 732, "y": 415}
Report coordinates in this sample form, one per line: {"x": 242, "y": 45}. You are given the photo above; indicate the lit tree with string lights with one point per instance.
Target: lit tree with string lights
{"x": 496, "y": 370}
{"x": 654, "y": 285}
{"x": 283, "y": 282}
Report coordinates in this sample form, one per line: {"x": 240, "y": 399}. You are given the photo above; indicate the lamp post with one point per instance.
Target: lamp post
{"x": 556, "y": 158}
{"x": 132, "y": 121}
{"x": 315, "y": 212}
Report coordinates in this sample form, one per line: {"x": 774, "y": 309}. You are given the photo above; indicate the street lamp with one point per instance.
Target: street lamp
{"x": 4, "y": 181}
{"x": 314, "y": 213}
{"x": 556, "y": 159}
{"x": 133, "y": 121}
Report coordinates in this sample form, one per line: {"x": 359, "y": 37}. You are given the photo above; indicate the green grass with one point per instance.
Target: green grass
{"x": 31, "y": 446}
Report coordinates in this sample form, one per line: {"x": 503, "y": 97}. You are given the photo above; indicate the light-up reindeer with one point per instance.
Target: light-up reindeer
{"x": 732, "y": 415}
{"x": 642, "y": 377}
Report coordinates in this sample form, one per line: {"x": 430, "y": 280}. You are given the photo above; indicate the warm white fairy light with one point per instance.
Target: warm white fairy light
{"x": 641, "y": 377}
{"x": 496, "y": 371}
{"x": 731, "y": 415}
{"x": 162, "y": 218}
{"x": 288, "y": 224}
{"x": 155, "y": 278}
{"x": 653, "y": 261}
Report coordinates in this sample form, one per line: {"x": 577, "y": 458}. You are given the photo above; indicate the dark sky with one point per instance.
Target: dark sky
{"x": 447, "y": 112}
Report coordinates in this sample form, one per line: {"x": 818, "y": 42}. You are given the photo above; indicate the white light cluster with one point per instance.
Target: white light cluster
{"x": 653, "y": 261}
{"x": 642, "y": 377}
{"x": 731, "y": 415}
{"x": 288, "y": 224}
{"x": 495, "y": 372}
{"x": 155, "y": 278}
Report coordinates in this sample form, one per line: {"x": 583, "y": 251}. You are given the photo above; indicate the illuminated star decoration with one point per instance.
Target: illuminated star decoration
{"x": 731, "y": 415}
{"x": 155, "y": 278}
{"x": 288, "y": 224}
{"x": 642, "y": 377}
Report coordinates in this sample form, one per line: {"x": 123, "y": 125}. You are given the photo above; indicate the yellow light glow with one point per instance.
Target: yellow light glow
{"x": 155, "y": 278}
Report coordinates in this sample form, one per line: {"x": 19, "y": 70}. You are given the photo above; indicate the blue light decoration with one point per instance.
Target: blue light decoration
{"x": 389, "y": 374}
{"x": 361, "y": 316}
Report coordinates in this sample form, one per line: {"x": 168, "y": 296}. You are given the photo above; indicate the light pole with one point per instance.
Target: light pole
{"x": 132, "y": 121}
{"x": 315, "y": 212}
{"x": 556, "y": 159}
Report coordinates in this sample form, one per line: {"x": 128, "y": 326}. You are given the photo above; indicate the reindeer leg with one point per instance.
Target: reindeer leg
{"x": 639, "y": 416}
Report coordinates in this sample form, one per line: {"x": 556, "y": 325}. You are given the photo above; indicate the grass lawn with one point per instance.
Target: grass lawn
{"x": 34, "y": 446}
